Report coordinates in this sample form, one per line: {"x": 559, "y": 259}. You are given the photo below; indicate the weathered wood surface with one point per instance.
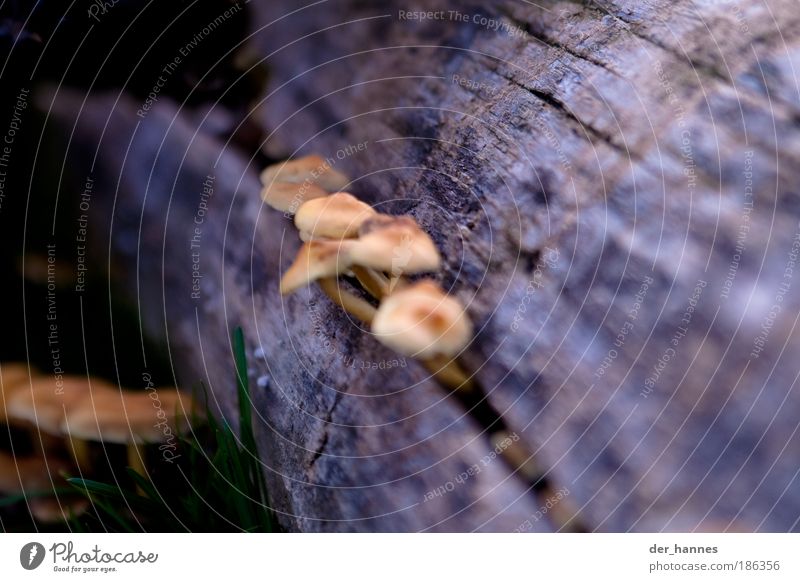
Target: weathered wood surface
{"x": 595, "y": 148}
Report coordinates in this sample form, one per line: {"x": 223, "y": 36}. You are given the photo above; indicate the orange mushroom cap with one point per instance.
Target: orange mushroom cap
{"x": 422, "y": 321}
{"x": 47, "y": 399}
{"x": 289, "y": 196}
{"x": 312, "y": 169}
{"x": 315, "y": 260}
{"x": 13, "y": 378}
{"x": 339, "y": 215}
{"x": 127, "y": 416}
{"x": 396, "y": 245}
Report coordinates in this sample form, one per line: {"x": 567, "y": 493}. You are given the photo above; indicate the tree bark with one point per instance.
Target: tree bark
{"x": 612, "y": 186}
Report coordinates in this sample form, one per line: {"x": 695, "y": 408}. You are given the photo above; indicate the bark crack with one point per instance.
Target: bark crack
{"x": 554, "y": 44}
{"x": 562, "y": 108}
{"x": 326, "y": 423}
{"x": 632, "y": 27}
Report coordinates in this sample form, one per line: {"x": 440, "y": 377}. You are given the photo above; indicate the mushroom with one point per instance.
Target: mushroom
{"x": 421, "y": 321}
{"x": 48, "y": 400}
{"x": 395, "y": 245}
{"x": 338, "y": 216}
{"x": 289, "y": 196}
{"x": 315, "y": 260}
{"x": 17, "y": 377}
{"x": 35, "y": 475}
{"x": 324, "y": 261}
{"x": 311, "y": 169}
{"x": 54, "y": 510}
{"x": 12, "y": 373}
{"x": 13, "y": 377}
{"x": 127, "y": 417}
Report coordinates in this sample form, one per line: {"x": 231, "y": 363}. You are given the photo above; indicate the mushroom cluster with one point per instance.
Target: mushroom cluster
{"x": 74, "y": 411}
{"x": 343, "y": 236}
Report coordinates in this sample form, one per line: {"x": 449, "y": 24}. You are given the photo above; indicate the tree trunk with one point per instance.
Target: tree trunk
{"x": 612, "y": 186}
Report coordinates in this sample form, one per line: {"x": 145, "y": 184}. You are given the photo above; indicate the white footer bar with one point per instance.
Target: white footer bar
{"x": 401, "y": 557}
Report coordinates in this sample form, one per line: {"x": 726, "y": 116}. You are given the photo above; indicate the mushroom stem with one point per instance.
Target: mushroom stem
{"x": 449, "y": 372}
{"x": 353, "y": 305}
{"x": 395, "y": 283}
{"x": 80, "y": 453}
{"x": 136, "y": 462}
{"x": 375, "y": 283}
{"x": 136, "y": 459}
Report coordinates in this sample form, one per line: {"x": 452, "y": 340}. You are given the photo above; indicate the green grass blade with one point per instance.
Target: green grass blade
{"x": 121, "y": 521}
{"x": 243, "y": 390}
{"x": 145, "y": 485}
{"x": 247, "y": 434}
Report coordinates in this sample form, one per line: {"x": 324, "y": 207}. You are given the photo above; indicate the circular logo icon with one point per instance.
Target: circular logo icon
{"x": 31, "y": 555}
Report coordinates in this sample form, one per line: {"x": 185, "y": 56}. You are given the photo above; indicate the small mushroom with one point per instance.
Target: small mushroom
{"x": 52, "y": 510}
{"x": 127, "y": 417}
{"x": 13, "y": 373}
{"x": 324, "y": 261}
{"x": 34, "y": 476}
{"x": 47, "y": 400}
{"x": 13, "y": 378}
{"x": 338, "y": 216}
{"x": 395, "y": 245}
{"x": 421, "y": 321}
{"x": 289, "y": 196}
{"x": 17, "y": 377}
{"x": 315, "y": 260}
{"x": 312, "y": 169}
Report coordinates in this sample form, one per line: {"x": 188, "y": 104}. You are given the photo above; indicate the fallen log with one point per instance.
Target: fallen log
{"x": 612, "y": 188}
